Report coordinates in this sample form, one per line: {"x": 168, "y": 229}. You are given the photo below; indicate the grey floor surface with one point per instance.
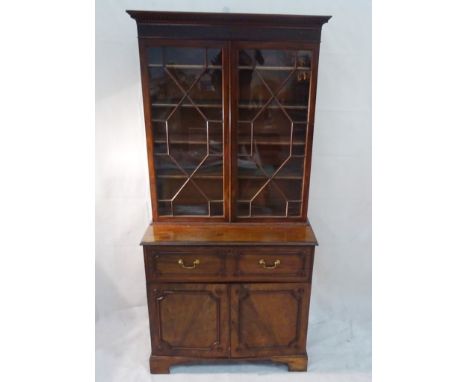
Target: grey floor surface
{"x": 338, "y": 351}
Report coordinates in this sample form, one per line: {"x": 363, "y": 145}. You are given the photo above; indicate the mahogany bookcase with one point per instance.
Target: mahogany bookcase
{"x": 229, "y": 103}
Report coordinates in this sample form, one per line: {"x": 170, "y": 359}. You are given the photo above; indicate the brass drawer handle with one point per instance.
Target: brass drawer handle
{"x": 263, "y": 263}
{"x": 194, "y": 264}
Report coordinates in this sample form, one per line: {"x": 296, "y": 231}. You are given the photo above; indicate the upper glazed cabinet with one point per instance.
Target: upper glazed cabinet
{"x": 229, "y": 113}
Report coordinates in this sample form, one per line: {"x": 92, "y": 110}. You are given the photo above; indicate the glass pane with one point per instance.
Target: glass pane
{"x": 183, "y": 56}
{"x": 186, "y": 106}
{"x": 216, "y": 208}
{"x": 294, "y": 208}
{"x": 191, "y": 200}
{"x": 273, "y": 100}
{"x": 270, "y": 201}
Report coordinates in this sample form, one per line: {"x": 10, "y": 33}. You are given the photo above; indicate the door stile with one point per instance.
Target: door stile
{"x": 233, "y": 104}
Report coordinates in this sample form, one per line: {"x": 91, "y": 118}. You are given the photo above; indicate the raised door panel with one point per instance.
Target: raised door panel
{"x": 186, "y": 113}
{"x": 189, "y": 319}
{"x": 274, "y": 92}
{"x": 269, "y": 319}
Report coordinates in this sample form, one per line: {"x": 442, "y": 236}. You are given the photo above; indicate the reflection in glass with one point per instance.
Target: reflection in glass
{"x": 273, "y": 101}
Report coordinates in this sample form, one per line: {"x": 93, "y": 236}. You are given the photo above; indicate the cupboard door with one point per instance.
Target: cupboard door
{"x": 189, "y": 319}
{"x": 269, "y": 319}
{"x": 272, "y": 102}
{"x": 186, "y": 109}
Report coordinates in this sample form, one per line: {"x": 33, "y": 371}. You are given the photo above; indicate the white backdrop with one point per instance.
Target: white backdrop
{"x": 340, "y": 192}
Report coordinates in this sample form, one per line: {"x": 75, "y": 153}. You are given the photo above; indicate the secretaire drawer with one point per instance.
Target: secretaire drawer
{"x": 273, "y": 263}
{"x": 185, "y": 263}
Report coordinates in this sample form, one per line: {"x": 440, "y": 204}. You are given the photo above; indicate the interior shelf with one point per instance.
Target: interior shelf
{"x": 259, "y": 106}
{"x": 241, "y": 106}
{"x": 203, "y": 105}
{"x": 195, "y": 177}
{"x": 247, "y": 67}
{"x": 286, "y": 177}
{"x": 269, "y": 141}
{"x": 182, "y": 66}
{"x": 182, "y": 141}
{"x": 262, "y": 141}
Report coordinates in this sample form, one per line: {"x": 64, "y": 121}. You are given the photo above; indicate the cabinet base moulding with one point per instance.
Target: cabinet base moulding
{"x": 162, "y": 364}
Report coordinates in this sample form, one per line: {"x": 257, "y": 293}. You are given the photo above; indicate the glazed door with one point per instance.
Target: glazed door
{"x": 269, "y": 319}
{"x": 189, "y": 319}
{"x": 272, "y": 121}
{"x": 185, "y": 85}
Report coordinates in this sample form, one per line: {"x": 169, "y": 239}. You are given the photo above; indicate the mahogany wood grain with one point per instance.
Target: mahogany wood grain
{"x": 189, "y": 319}
{"x": 280, "y": 264}
{"x": 310, "y": 129}
{"x": 184, "y": 264}
{"x": 162, "y": 364}
{"x": 228, "y": 264}
{"x": 269, "y": 319}
{"x": 233, "y": 78}
{"x": 229, "y": 19}
{"x": 228, "y": 26}
{"x": 148, "y": 127}
{"x": 238, "y": 233}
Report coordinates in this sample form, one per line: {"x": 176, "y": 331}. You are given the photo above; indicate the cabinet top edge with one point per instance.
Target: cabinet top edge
{"x": 229, "y": 234}
{"x": 203, "y": 18}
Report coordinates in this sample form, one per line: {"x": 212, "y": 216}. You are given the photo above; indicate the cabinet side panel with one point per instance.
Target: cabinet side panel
{"x": 310, "y": 128}
{"x": 148, "y": 126}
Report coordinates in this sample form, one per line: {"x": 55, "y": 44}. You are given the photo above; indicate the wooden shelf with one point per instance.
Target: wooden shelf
{"x": 251, "y": 67}
{"x": 204, "y": 105}
{"x": 187, "y": 141}
{"x": 195, "y": 177}
{"x": 254, "y": 106}
{"x": 271, "y": 234}
{"x": 181, "y": 141}
{"x": 164, "y": 121}
{"x": 266, "y": 141}
{"x": 254, "y": 177}
{"x": 241, "y": 106}
{"x": 182, "y": 66}
{"x": 248, "y": 201}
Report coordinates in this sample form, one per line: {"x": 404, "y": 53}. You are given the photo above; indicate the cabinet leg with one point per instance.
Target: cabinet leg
{"x": 159, "y": 365}
{"x": 294, "y": 362}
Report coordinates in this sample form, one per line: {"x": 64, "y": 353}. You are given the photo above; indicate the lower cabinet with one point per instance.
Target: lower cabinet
{"x": 238, "y": 320}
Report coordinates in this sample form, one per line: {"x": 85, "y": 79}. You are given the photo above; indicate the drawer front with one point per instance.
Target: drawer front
{"x": 274, "y": 263}
{"x": 185, "y": 264}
